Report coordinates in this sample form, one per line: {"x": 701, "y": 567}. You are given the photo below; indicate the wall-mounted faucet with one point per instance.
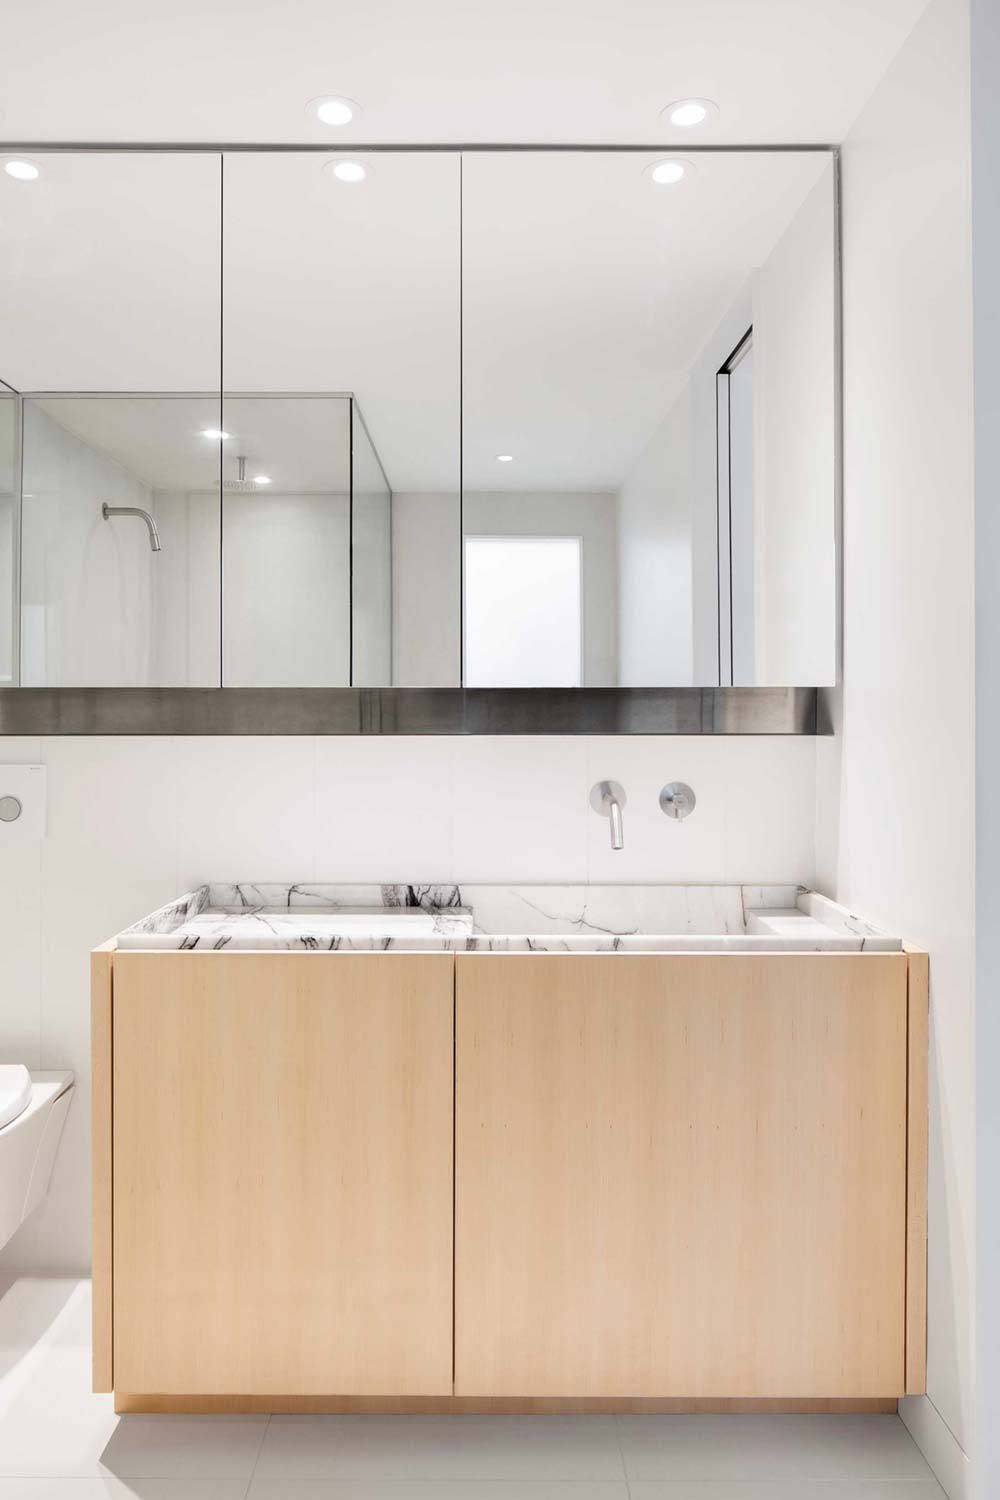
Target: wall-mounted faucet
{"x": 107, "y": 511}
{"x": 608, "y": 798}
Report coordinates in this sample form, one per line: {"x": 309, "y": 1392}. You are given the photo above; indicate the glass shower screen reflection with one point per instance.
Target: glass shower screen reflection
{"x": 286, "y": 541}
{"x": 99, "y": 606}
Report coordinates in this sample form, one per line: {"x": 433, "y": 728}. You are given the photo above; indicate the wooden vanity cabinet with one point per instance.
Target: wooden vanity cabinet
{"x": 282, "y": 1172}
{"x": 346, "y": 1181}
{"x": 681, "y": 1175}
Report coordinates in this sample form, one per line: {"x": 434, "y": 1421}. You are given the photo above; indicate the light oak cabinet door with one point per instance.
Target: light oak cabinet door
{"x": 282, "y": 1155}
{"x": 680, "y": 1176}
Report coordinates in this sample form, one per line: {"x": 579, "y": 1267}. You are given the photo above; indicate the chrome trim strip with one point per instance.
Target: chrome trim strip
{"x": 331, "y": 147}
{"x": 444, "y": 711}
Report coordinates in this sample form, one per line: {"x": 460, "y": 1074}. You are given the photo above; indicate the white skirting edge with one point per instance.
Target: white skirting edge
{"x": 939, "y": 1446}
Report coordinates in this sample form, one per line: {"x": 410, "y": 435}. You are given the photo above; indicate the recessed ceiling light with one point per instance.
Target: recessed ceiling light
{"x": 347, "y": 171}
{"x": 24, "y": 171}
{"x": 669, "y": 170}
{"x": 505, "y": 458}
{"x": 333, "y": 109}
{"x": 262, "y": 479}
{"x": 686, "y": 114}
{"x": 216, "y": 434}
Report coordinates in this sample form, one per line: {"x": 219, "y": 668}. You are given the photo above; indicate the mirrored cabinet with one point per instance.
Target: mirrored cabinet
{"x": 421, "y": 419}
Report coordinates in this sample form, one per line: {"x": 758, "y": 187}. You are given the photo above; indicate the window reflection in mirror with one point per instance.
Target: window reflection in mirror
{"x": 481, "y": 364}
{"x": 523, "y": 619}
{"x": 599, "y": 307}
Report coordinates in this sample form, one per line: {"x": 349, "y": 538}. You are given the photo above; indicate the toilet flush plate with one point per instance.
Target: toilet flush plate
{"x": 22, "y": 804}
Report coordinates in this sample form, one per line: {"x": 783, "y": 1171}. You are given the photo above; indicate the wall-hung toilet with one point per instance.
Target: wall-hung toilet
{"x": 33, "y": 1108}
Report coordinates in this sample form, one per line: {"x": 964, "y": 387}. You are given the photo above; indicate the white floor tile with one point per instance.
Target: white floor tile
{"x": 58, "y": 1441}
{"x": 793, "y": 1489}
{"x": 440, "y": 1448}
{"x": 107, "y": 1487}
{"x": 162, "y": 1447}
{"x": 767, "y": 1448}
{"x": 50, "y": 1422}
{"x": 437, "y": 1489}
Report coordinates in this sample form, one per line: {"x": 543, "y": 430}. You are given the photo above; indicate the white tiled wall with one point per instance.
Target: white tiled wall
{"x": 132, "y": 822}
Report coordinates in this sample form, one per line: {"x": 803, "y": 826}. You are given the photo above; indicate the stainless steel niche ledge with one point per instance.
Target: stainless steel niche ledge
{"x": 194, "y": 711}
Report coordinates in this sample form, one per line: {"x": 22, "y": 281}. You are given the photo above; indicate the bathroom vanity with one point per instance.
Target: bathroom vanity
{"x": 431, "y": 1148}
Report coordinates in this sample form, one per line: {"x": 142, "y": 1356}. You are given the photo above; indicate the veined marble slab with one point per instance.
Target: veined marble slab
{"x": 507, "y": 919}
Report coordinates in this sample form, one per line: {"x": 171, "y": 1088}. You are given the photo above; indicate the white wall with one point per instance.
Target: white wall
{"x": 795, "y": 428}
{"x": 286, "y": 590}
{"x": 654, "y": 558}
{"x": 370, "y": 568}
{"x": 553, "y": 513}
{"x": 426, "y": 590}
{"x": 186, "y": 620}
{"x": 6, "y": 535}
{"x": 85, "y": 582}
{"x": 985, "y": 28}
{"x": 132, "y": 822}
{"x": 670, "y": 497}
{"x": 895, "y": 831}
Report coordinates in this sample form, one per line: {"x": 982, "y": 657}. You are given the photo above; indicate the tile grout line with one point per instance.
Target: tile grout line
{"x": 256, "y": 1457}
{"x": 621, "y": 1454}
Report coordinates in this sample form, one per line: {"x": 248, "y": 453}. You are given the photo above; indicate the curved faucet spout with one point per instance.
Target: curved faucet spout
{"x": 608, "y": 798}
{"x": 107, "y": 511}
{"x": 617, "y": 832}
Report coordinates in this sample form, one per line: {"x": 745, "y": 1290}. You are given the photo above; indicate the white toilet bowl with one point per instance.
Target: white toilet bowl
{"x": 15, "y": 1091}
{"x": 33, "y": 1108}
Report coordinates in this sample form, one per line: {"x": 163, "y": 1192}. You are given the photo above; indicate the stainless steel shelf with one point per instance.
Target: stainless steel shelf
{"x": 193, "y": 711}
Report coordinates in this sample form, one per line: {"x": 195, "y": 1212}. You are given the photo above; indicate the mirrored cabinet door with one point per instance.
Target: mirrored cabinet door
{"x": 649, "y": 490}
{"x": 342, "y": 284}
{"x": 110, "y": 319}
{"x": 304, "y": 419}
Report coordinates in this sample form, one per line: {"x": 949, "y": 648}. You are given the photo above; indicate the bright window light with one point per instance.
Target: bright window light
{"x": 523, "y": 601}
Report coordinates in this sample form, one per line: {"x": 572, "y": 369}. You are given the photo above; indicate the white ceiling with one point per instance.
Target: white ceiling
{"x": 440, "y": 70}
{"x": 303, "y": 446}
{"x": 586, "y": 293}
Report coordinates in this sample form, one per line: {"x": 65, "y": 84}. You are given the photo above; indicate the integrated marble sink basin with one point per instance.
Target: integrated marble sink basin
{"x": 494, "y": 918}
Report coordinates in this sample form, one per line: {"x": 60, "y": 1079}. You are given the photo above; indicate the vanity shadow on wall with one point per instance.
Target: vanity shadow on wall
{"x": 483, "y": 440}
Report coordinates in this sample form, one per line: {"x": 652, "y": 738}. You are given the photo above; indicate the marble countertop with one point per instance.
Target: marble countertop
{"x": 506, "y": 918}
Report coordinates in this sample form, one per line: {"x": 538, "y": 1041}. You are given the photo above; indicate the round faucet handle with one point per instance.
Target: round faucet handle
{"x": 677, "y": 799}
